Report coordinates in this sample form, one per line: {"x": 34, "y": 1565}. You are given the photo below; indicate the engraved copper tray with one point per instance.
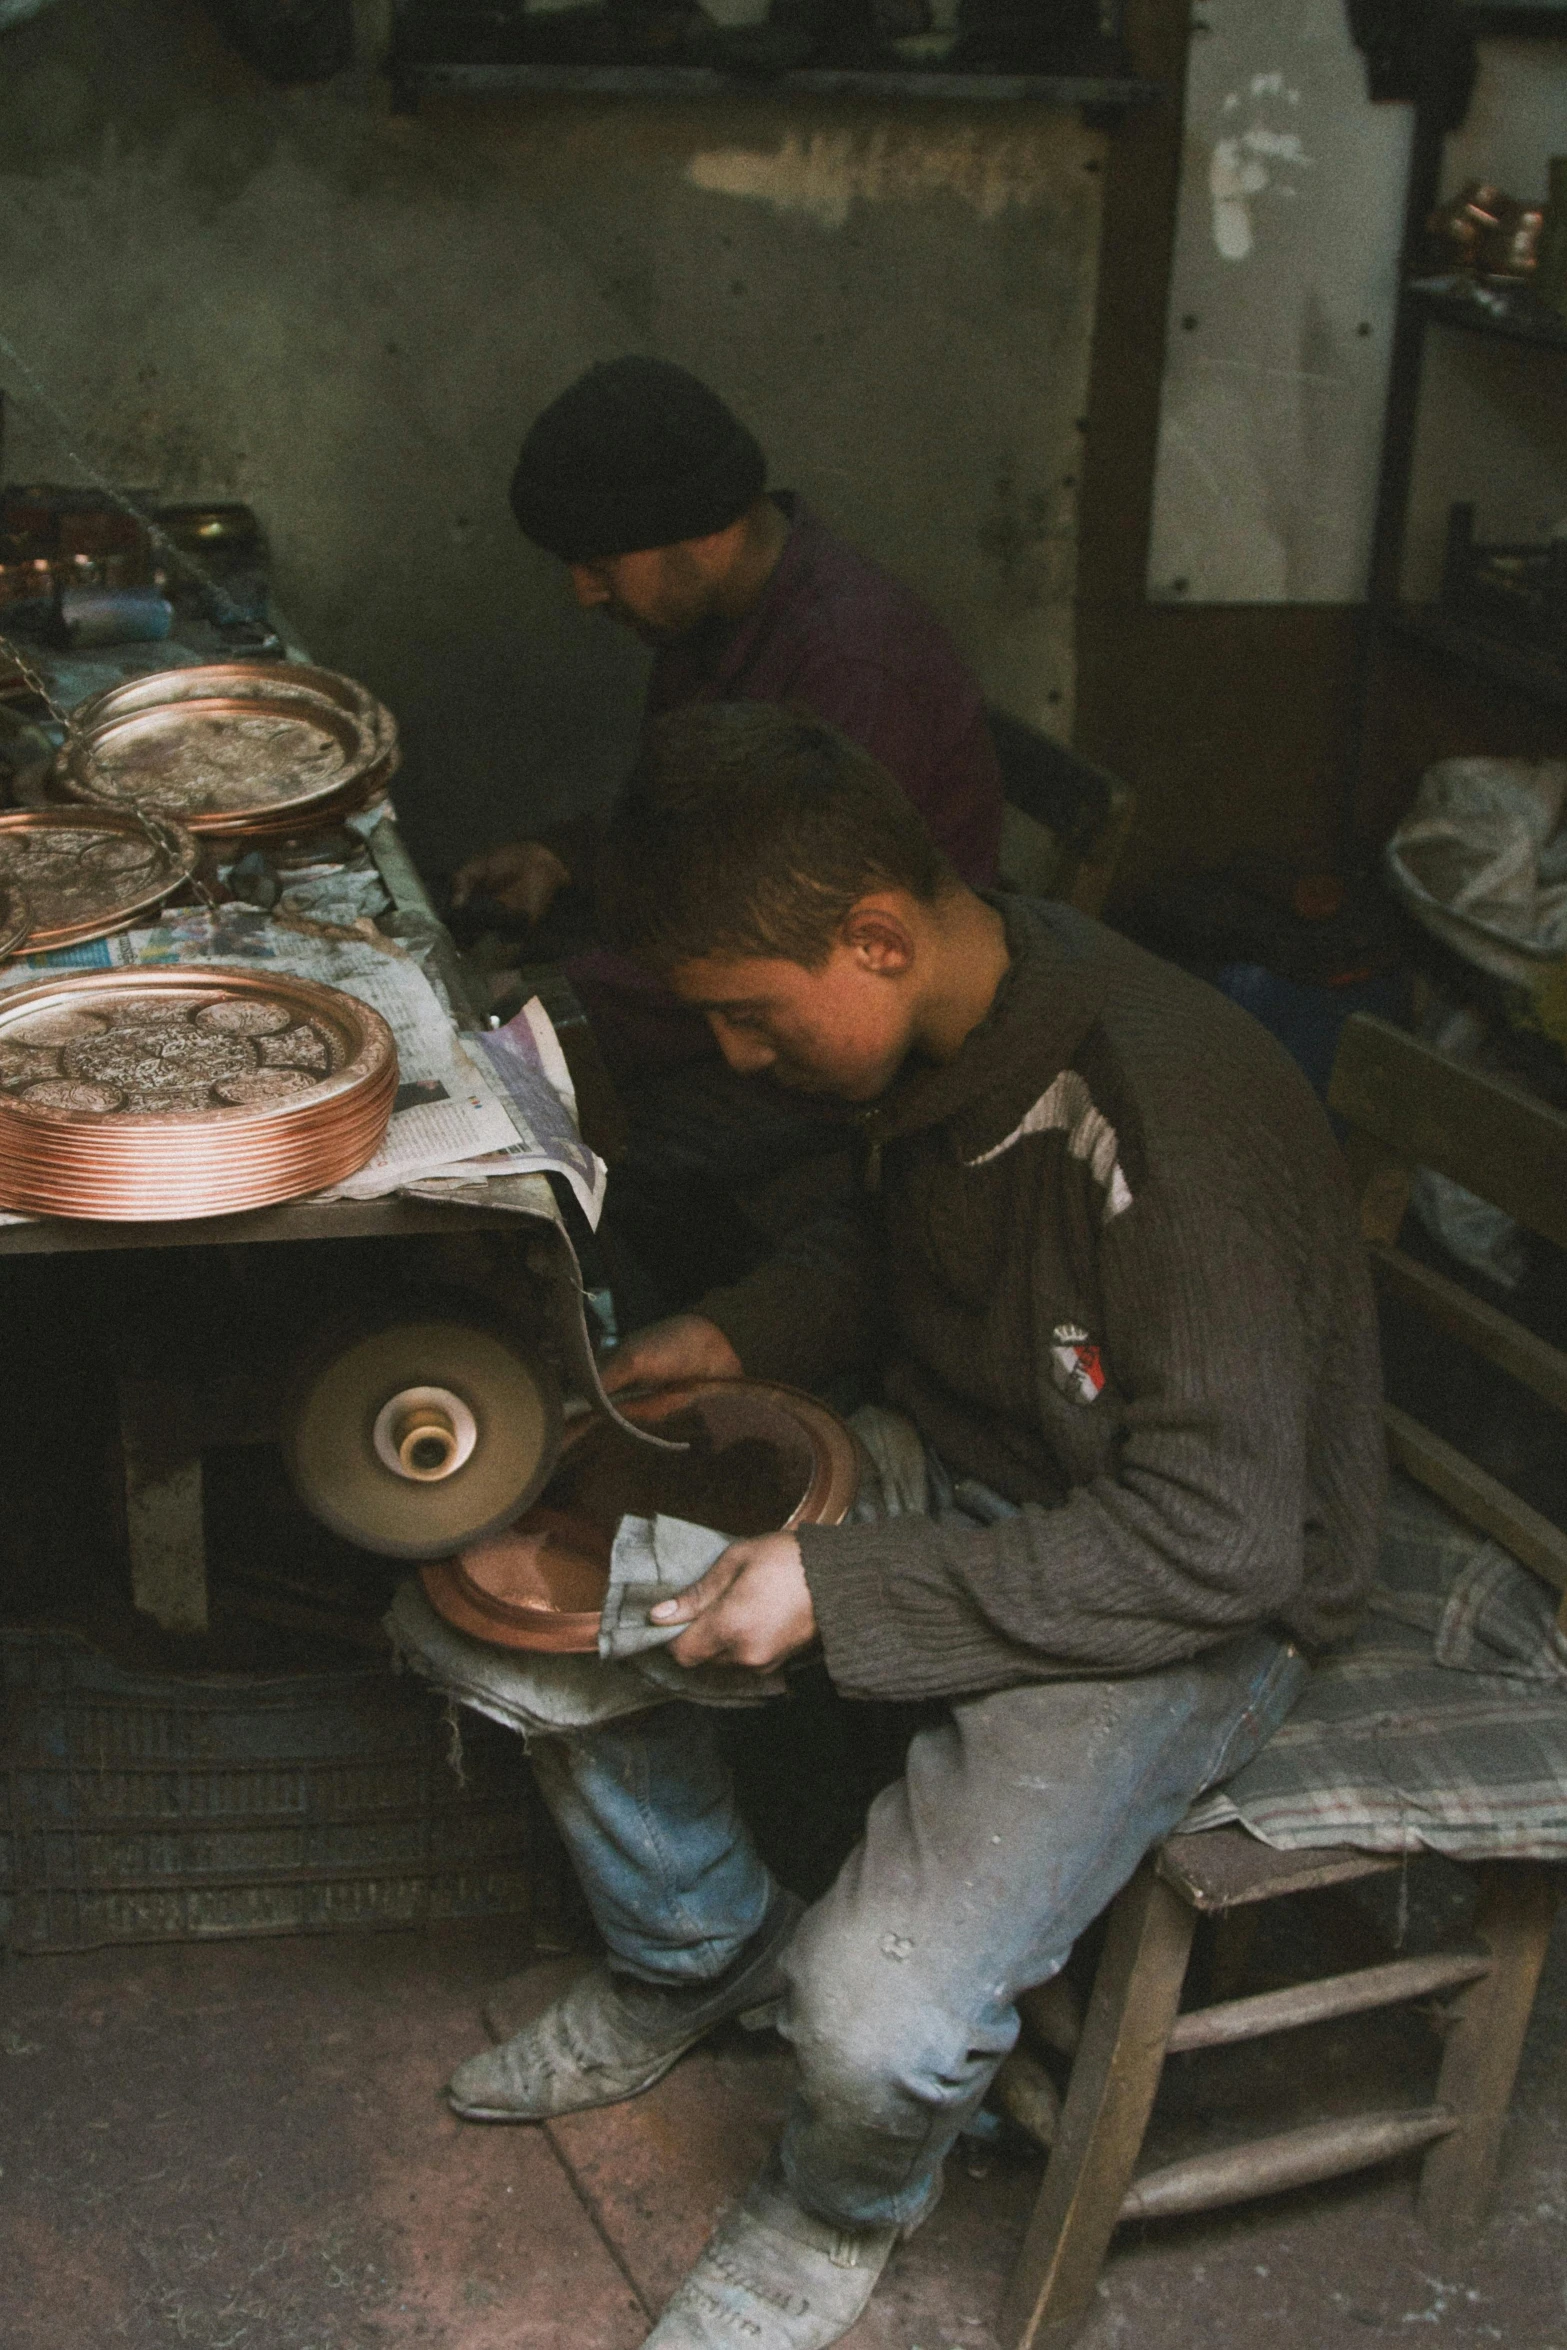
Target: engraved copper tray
{"x": 235, "y": 750}
{"x": 88, "y": 872}
{"x": 141, "y": 1096}
{"x": 244, "y": 681}
{"x": 541, "y": 1583}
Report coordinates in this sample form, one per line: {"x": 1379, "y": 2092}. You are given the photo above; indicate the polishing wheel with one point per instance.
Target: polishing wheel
{"x": 423, "y": 1435}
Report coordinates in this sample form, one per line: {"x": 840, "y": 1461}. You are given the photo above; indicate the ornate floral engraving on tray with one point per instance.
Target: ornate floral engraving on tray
{"x": 191, "y": 763}
{"x": 236, "y": 750}
{"x": 83, "y": 879}
{"x": 152, "y": 1093}
{"x": 164, "y": 1057}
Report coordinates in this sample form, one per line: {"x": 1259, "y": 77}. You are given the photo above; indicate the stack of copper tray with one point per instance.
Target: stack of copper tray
{"x": 234, "y": 750}
{"x": 82, "y": 873}
{"x": 143, "y": 1096}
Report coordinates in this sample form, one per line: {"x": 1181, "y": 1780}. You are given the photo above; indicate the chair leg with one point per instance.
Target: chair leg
{"x": 1234, "y": 1943}
{"x": 1518, "y": 1901}
{"x": 1137, "y": 1991}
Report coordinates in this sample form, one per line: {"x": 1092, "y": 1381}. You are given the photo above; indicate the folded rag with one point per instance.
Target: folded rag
{"x": 654, "y": 1559}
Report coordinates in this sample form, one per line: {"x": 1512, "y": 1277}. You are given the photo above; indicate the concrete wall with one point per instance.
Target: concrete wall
{"x": 348, "y": 318}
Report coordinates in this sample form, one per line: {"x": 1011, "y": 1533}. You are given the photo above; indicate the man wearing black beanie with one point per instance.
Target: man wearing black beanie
{"x": 643, "y": 483}
{"x": 652, "y": 492}
{"x": 636, "y": 455}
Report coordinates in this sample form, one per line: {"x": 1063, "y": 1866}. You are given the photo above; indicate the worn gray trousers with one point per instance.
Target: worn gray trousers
{"x": 1018, "y": 1817}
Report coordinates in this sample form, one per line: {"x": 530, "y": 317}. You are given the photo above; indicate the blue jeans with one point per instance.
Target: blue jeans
{"x": 1019, "y": 1816}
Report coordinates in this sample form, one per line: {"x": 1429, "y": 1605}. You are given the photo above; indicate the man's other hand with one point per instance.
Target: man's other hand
{"x": 522, "y": 875}
{"x": 752, "y": 1607}
{"x": 687, "y": 1346}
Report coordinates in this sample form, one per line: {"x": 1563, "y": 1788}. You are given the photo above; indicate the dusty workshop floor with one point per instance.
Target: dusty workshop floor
{"x": 243, "y": 2147}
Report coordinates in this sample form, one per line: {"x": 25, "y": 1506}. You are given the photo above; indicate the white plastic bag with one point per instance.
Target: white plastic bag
{"x": 1481, "y": 862}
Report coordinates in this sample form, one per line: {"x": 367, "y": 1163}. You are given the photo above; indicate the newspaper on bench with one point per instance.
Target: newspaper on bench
{"x": 525, "y": 1060}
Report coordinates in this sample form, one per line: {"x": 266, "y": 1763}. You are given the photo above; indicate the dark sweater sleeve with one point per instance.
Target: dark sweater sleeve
{"x": 816, "y": 1308}
{"x": 942, "y": 755}
{"x": 1199, "y": 1533}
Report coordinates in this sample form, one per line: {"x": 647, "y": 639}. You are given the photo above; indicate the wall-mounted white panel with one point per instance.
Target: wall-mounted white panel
{"x": 1281, "y": 311}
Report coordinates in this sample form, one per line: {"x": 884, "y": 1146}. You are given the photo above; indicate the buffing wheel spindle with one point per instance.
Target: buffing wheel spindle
{"x": 426, "y": 1441}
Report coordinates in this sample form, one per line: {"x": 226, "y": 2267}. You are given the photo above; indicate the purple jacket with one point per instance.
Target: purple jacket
{"x": 840, "y": 635}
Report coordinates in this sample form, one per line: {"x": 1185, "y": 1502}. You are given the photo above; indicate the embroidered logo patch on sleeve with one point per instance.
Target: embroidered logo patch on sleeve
{"x": 1075, "y": 1363}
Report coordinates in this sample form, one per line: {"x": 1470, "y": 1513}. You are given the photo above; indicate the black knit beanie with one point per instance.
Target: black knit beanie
{"x": 636, "y": 453}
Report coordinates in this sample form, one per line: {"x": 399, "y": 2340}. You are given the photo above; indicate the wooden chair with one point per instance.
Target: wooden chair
{"x": 1405, "y": 1106}
{"x": 1065, "y": 821}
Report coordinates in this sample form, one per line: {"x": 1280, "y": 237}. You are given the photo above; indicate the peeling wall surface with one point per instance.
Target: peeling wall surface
{"x": 1281, "y": 311}
{"x": 348, "y": 319}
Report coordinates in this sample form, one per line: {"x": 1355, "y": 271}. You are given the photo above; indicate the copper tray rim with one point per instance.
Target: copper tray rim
{"x": 107, "y": 738}
{"x": 556, "y": 1631}
{"x": 246, "y": 684}
{"x": 244, "y": 681}
{"x": 47, "y": 939}
{"x": 372, "y": 1063}
{"x": 193, "y": 680}
{"x": 548, "y": 1631}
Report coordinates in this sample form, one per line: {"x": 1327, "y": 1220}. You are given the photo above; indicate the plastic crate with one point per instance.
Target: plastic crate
{"x": 136, "y": 1808}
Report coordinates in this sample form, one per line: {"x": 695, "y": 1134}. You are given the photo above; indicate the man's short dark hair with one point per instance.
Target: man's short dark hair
{"x": 751, "y": 830}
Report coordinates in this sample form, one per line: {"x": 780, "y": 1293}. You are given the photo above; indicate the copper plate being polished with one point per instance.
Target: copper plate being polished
{"x": 142, "y": 1096}
{"x": 541, "y": 1583}
{"x": 235, "y": 750}
{"x": 86, "y": 872}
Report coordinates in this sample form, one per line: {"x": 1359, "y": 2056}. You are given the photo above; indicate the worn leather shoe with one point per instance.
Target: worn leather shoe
{"x": 610, "y": 2036}
{"x": 774, "y": 2277}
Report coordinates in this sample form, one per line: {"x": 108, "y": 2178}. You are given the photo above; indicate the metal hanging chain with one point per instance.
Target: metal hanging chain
{"x": 222, "y": 606}
{"x": 153, "y": 829}
{"x": 220, "y": 603}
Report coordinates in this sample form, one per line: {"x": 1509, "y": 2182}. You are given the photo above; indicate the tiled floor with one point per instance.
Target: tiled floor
{"x": 244, "y": 2147}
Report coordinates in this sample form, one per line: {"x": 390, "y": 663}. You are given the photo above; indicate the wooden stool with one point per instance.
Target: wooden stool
{"x": 1134, "y": 2022}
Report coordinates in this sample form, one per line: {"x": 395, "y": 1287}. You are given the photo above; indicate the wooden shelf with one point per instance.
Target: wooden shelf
{"x": 1532, "y": 18}
{"x": 1526, "y": 669}
{"x": 1510, "y": 320}
{"x": 431, "y": 80}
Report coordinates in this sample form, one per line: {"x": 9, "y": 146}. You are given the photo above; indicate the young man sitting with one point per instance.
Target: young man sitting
{"x": 1106, "y": 1266}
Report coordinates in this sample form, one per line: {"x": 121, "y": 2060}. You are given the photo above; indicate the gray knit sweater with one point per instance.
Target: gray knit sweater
{"x": 1110, "y": 1267}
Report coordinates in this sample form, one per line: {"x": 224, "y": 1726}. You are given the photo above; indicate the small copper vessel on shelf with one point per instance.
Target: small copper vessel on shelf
{"x": 1487, "y": 232}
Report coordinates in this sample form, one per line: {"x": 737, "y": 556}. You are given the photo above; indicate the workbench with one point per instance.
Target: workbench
{"x": 169, "y": 1414}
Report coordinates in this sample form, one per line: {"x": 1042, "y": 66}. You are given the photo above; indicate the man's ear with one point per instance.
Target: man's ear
{"x": 879, "y": 936}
